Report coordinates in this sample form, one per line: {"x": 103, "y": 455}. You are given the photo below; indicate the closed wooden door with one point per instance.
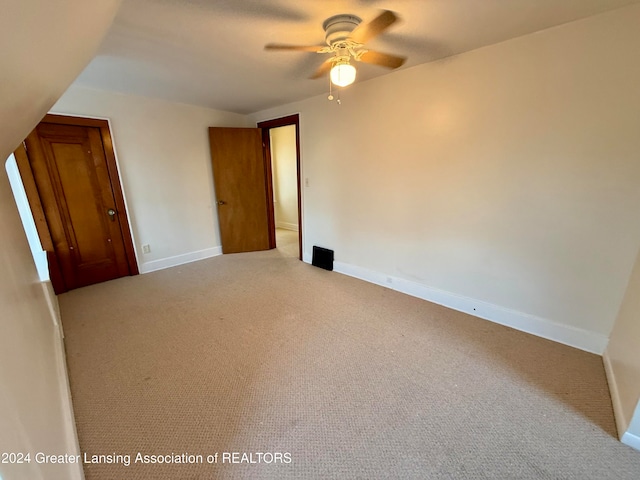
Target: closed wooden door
{"x": 85, "y": 216}
{"x": 240, "y": 179}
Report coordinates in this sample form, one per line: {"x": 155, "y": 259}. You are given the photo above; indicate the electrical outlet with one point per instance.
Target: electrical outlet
{"x": 146, "y": 248}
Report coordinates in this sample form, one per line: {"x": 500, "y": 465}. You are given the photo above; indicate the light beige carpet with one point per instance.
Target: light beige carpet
{"x": 287, "y": 243}
{"x": 261, "y": 353}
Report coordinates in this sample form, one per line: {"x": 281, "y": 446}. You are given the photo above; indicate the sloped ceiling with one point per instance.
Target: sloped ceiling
{"x": 210, "y": 52}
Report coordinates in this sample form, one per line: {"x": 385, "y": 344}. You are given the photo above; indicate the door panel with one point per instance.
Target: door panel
{"x": 239, "y": 178}
{"x": 72, "y": 179}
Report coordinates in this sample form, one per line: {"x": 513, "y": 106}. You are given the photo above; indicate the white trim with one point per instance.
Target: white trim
{"x": 622, "y": 424}
{"x": 52, "y": 303}
{"x": 631, "y": 440}
{"x": 71, "y": 433}
{"x": 632, "y": 436}
{"x": 575, "y": 337}
{"x": 618, "y": 412}
{"x": 287, "y": 226}
{"x": 168, "y": 262}
{"x": 26, "y": 216}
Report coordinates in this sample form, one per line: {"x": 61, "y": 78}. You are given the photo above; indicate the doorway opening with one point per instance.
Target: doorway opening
{"x": 281, "y": 139}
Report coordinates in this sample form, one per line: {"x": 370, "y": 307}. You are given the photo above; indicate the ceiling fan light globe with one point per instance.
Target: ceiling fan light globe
{"x": 343, "y": 74}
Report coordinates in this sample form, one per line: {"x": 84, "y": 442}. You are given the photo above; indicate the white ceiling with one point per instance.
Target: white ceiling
{"x": 210, "y": 52}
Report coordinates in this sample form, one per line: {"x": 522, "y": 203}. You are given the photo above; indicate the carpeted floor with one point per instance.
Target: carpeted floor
{"x": 287, "y": 243}
{"x": 261, "y": 353}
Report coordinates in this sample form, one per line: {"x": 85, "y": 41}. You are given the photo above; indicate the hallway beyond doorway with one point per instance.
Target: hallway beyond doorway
{"x": 287, "y": 242}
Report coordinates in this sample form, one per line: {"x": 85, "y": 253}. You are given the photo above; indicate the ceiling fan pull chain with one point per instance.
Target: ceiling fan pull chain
{"x": 331, "y": 97}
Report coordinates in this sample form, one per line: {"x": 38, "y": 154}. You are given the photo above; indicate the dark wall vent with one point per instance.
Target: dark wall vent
{"x": 322, "y": 257}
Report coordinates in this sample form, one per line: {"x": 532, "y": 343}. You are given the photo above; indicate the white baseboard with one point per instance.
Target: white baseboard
{"x": 566, "y": 334}
{"x": 76, "y": 471}
{"x": 632, "y": 436}
{"x": 618, "y": 413}
{"x": 168, "y": 262}
{"x": 631, "y": 440}
{"x": 52, "y": 303}
{"x": 627, "y": 430}
{"x": 287, "y": 226}
{"x": 71, "y": 433}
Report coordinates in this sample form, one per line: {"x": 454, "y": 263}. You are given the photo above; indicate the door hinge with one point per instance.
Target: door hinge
{"x": 24, "y": 144}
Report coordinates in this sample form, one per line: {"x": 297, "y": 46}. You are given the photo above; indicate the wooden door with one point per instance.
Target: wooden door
{"x": 239, "y": 175}
{"x": 79, "y": 193}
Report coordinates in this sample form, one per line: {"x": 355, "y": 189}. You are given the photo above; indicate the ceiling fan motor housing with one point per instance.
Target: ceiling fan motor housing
{"x": 339, "y": 27}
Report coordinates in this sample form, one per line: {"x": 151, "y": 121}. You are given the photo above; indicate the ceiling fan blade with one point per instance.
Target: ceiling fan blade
{"x": 364, "y": 33}
{"x": 382, "y": 59}
{"x": 323, "y": 69}
{"x": 299, "y": 48}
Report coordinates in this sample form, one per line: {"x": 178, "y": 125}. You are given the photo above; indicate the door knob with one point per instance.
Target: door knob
{"x": 112, "y": 213}
{"x": 221, "y": 202}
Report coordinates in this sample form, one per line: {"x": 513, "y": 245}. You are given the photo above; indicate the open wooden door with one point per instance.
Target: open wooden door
{"x": 240, "y": 175}
{"x": 70, "y": 176}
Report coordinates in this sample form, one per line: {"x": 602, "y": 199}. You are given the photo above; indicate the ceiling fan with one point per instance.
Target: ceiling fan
{"x": 345, "y": 36}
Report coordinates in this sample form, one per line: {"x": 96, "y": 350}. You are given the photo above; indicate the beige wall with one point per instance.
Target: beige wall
{"x": 164, "y": 161}
{"x": 622, "y": 359}
{"x": 44, "y": 46}
{"x": 504, "y": 180}
{"x": 285, "y": 179}
{"x": 508, "y": 174}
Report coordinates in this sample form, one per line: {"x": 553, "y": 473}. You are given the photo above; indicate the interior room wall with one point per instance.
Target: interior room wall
{"x": 44, "y": 47}
{"x": 164, "y": 161}
{"x": 622, "y": 361}
{"x": 285, "y": 178}
{"x": 504, "y": 181}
